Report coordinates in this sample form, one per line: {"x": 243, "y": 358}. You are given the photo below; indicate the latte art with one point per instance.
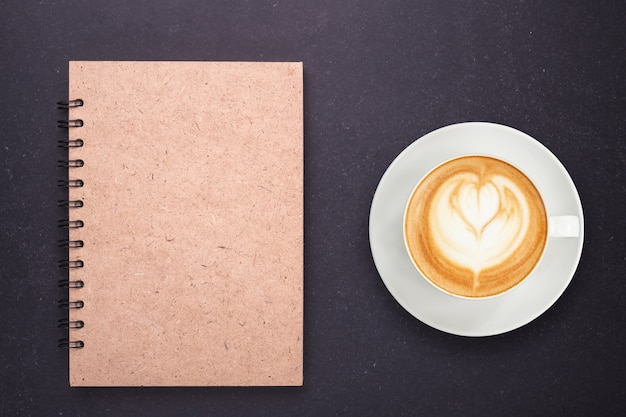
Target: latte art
{"x": 475, "y": 226}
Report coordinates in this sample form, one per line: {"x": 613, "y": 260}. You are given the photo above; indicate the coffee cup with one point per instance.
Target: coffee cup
{"x": 476, "y": 226}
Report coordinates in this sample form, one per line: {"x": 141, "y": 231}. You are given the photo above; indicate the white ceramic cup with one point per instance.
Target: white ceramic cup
{"x": 559, "y": 227}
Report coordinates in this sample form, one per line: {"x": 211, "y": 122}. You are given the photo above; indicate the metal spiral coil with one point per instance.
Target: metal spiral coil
{"x": 70, "y": 203}
{"x": 70, "y": 304}
{"x": 66, "y": 243}
{"x": 70, "y": 143}
{"x": 71, "y": 344}
{"x": 70, "y": 103}
{"x": 70, "y": 324}
{"x": 67, "y": 123}
{"x": 66, "y": 283}
{"x": 70, "y": 183}
{"x": 70, "y": 163}
{"x": 70, "y": 264}
{"x": 69, "y": 223}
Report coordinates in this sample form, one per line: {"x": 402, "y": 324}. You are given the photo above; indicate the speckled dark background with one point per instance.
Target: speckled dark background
{"x": 377, "y": 76}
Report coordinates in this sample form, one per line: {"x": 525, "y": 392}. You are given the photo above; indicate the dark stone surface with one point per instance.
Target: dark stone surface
{"x": 377, "y": 76}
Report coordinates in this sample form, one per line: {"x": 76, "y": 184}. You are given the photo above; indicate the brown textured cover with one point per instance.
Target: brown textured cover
{"x": 193, "y": 212}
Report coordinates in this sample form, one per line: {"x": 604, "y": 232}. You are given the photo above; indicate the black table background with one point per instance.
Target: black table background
{"x": 377, "y": 76}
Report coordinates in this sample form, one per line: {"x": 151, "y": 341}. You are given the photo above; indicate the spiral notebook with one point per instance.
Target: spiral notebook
{"x": 185, "y": 223}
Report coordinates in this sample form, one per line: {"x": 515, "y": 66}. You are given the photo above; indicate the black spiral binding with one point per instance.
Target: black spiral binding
{"x": 68, "y": 223}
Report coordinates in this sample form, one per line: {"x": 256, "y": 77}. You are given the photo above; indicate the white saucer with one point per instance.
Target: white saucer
{"x": 451, "y": 314}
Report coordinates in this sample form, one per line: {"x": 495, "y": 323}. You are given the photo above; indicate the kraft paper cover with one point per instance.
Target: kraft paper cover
{"x": 193, "y": 223}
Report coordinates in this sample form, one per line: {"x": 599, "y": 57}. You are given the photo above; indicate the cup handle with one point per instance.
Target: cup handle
{"x": 564, "y": 226}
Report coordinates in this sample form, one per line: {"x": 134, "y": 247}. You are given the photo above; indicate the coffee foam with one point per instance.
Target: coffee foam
{"x": 476, "y": 226}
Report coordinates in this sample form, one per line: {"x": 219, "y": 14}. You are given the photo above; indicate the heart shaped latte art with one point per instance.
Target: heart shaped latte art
{"x": 475, "y": 226}
{"x": 478, "y": 222}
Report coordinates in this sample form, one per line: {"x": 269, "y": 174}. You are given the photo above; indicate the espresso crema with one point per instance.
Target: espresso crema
{"x": 475, "y": 226}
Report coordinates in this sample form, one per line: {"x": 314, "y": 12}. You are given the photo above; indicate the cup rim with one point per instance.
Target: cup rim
{"x": 416, "y": 266}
